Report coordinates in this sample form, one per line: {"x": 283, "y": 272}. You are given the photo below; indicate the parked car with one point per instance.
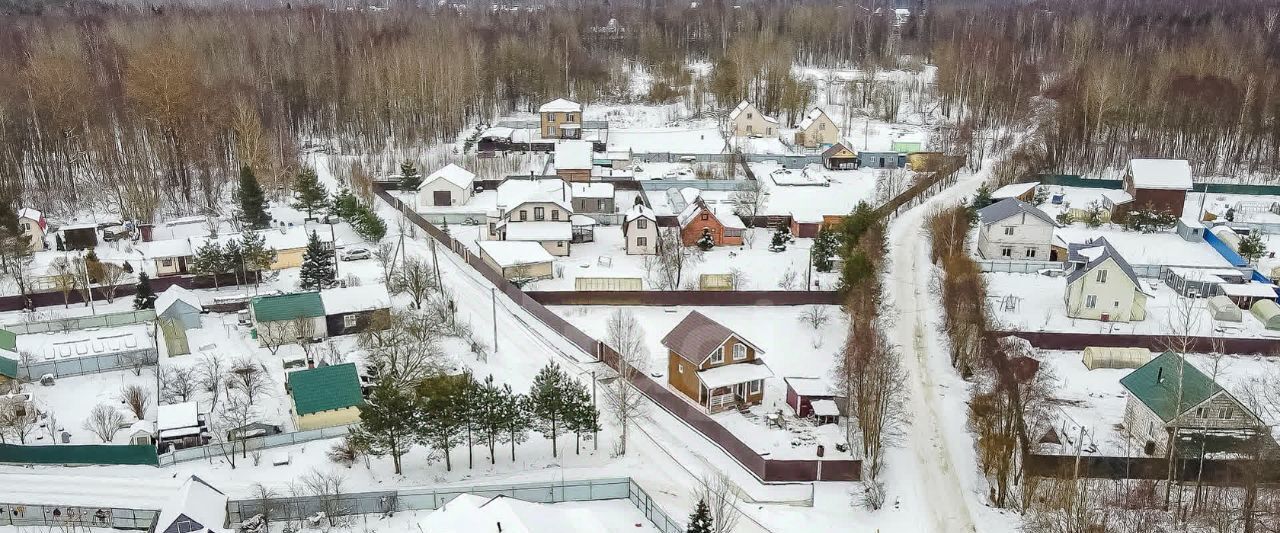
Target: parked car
{"x": 355, "y": 254}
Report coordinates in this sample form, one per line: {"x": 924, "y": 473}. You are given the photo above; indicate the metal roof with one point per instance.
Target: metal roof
{"x": 325, "y": 388}
{"x": 695, "y": 337}
{"x": 1155, "y": 384}
{"x": 1077, "y": 252}
{"x": 288, "y": 306}
{"x": 1009, "y": 207}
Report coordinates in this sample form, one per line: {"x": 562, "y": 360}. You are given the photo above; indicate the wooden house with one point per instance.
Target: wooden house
{"x": 560, "y": 119}
{"x": 350, "y": 310}
{"x": 573, "y": 161}
{"x": 840, "y": 156}
{"x": 714, "y": 366}
{"x": 325, "y": 397}
{"x": 281, "y": 319}
{"x": 1169, "y": 392}
{"x": 1156, "y": 184}
{"x": 816, "y": 130}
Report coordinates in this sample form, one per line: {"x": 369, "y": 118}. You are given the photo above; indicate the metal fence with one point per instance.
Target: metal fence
{"x": 425, "y": 499}
{"x": 252, "y": 444}
{"x": 83, "y": 322}
{"x": 1032, "y": 267}
{"x": 67, "y": 517}
{"x": 704, "y": 185}
{"x": 88, "y": 364}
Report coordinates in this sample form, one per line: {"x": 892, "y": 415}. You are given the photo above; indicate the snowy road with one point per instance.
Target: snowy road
{"x": 937, "y": 440}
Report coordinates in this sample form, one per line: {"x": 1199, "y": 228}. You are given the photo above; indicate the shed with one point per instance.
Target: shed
{"x": 1022, "y": 191}
{"x": 1244, "y": 294}
{"x": 326, "y": 396}
{"x": 1095, "y": 357}
{"x": 1223, "y": 309}
{"x": 869, "y": 159}
{"x": 840, "y": 157}
{"x": 804, "y": 392}
{"x": 80, "y": 236}
{"x": 1190, "y": 229}
{"x": 283, "y": 318}
{"x": 1267, "y": 312}
{"x": 180, "y": 305}
{"x": 355, "y": 309}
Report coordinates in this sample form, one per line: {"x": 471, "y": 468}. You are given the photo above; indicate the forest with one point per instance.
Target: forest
{"x": 150, "y": 110}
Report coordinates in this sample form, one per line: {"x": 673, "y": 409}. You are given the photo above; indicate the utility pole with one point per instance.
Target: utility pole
{"x": 493, "y": 294}
{"x": 88, "y": 287}
{"x": 435, "y": 263}
{"x": 333, "y": 241}
{"x": 595, "y": 438}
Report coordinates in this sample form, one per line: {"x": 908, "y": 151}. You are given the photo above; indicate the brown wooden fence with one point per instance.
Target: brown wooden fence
{"x": 923, "y": 189}
{"x": 768, "y": 470}
{"x": 752, "y": 298}
{"x": 158, "y": 285}
{"x": 1078, "y": 341}
{"x": 1216, "y": 471}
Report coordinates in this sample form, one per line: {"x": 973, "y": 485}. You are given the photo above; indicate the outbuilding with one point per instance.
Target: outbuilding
{"x": 449, "y": 186}
{"x": 1267, "y": 312}
{"x": 802, "y": 392}
{"x": 351, "y": 310}
{"x": 1245, "y": 294}
{"x": 281, "y": 319}
{"x": 1095, "y": 357}
{"x": 177, "y": 311}
{"x": 326, "y": 396}
{"x": 517, "y": 260}
{"x": 1222, "y": 309}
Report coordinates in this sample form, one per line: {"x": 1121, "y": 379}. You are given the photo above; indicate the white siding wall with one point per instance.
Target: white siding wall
{"x": 1117, "y": 296}
{"x": 649, "y": 234}
{"x": 458, "y": 195}
{"x": 1029, "y": 233}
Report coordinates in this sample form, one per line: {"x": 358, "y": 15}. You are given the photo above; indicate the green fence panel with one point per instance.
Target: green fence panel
{"x": 79, "y": 454}
{"x": 1232, "y": 188}
{"x": 1073, "y": 180}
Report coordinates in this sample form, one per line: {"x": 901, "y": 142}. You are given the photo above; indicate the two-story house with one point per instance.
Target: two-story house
{"x": 640, "y": 230}
{"x": 1101, "y": 285}
{"x": 560, "y": 119}
{"x": 33, "y": 227}
{"x": 697, "y": 220}
{"x": 747, "y": 121}
{"x": 1013, "y": 229}
{"x": 538, "y": 210}
{"x": 714, "y": 366}
{"x": 1169, "y": 392}
{"x": 816, "y": 130}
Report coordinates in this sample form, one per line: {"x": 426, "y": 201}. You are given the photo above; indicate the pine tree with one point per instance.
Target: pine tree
{"x": 410, "y": 178}
{"x": 209, "y": 260}
{"x": 145, "y": 297}
{"x": 779, "y": 240}
{"x": 308, "y": 194}
{"x": 705, "y": 242}
{"x": 442, "y": 400}
{"x": 982, "y": 198}
{"x": 515, "y": 412}
{"x": 93, "y": 266}
{"x": 255, "y": 253}
{"x": 487, "y": 409}
{"x": 345, "y": 204}
{"x": 1252, "y": 247}
{"x": 700, "y": 519}
{"x": 317, "y": 265}
{"x": 824, "y": 246}
{"x": 387, "y": 422}
{"x": 251, "y": 201}
{"x": 580, "y": 416}
{"x": 550, "y": 403}
{"x": 369, "y": 225}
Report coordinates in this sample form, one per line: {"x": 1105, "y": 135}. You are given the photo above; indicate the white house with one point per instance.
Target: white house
{"x": 817, "y": 129}
{"x": 537, "y": 210}
{"x": 196, "y": 507}
{"x": 1013, "y": 229}
{"x": 517, "y": 260}
{"x": 33, "y": 227}
{"x": 640, "y": 230}
{"x": 1101, "y": 285}
{"x": 747, "y": 121}
{"x": 449, "y": 186}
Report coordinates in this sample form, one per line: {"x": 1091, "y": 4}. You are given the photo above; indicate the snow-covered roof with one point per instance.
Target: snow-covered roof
{"x": 175, "y": 294}
{"x": 470, "y": 513}
{"x": 809, "y": 386}
{"x": 825, "y": 408}
{"x": 539, "y": 231}
{"x": 1094, "y": 253}
{"x": 582, "y": 220}
{"x": 810, "y": 118}
{"x": 573, "y": 155}
{"x": 592, "y": 190}
{"x": 724, "y": 376}
{"x": 560, "y": 105}
{"x": 690, "y": 211}
{"x": 515, "y": 253}
{"x": 1249, "y": 290}
{"x": 1168, "y": 174}
{"x": 1010, "y": 207}
{"x": 640, "y": 211}
{"x": 293, "y": 237}
{"x": 177, "y": 415}
{"x": 498, "y": 132}
{"x": 355, "y": 299}
{"x": 742, "y": 106}
{"x": 453, "y": 174}
{"x": 1014, "y": 190}
{"x": 196, "y": 507}
{"x": 513, "y": 192}
{"x": 727, "y": 218}
{"x": 32, "y": 214}
{"x": 166, "y": 248}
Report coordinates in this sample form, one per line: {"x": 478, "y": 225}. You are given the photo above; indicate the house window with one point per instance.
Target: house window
{"x": 679, "y": 368}
{"x": 349, "y": 321}
{"x": 166, "y": 262}
{"x": 1116, "y": 304}
{"x": 492, "y": 228}
{"x": 1006, "y": 252}
{"x": 1090, "y": 301}
{"x": 822, "y": 126}
{"x": 739, "y": 352}
{"x": 1008, "y": 230}
{"x": 539, "y": 213}
{"x": 600, "y": 205}
{"x": 570, "y": 117}
{"x": 1225, "y": 413}
{"x": 555, "y": 214}
{"x": 524, "y": 215}
{"x": 717, "y": 357}
{"x": 641, "y": 241}
{"x": 748, "y": 118}
{"x": 1201, "y": 412}
{"x": 1102, "y": 276}
{"x": 26, "y": 226}
{"x": 748, "y": 128}
{"x": 1031, "y": 253}
{"x": 642, "y": 224}
{"x": 755, "y": 386}
{"x": 706, "y": 216}
{"x": 559, "y": 244}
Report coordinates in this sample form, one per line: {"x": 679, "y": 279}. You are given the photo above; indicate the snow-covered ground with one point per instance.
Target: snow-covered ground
{"x": 1164, "y": 248}
{"x": 1032, "y": 302}
{"x": 1095, "y": 400}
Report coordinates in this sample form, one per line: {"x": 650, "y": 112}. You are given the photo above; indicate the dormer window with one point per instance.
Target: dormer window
{"x": 1102, "y": 276}
{"x": 739, "y": 352}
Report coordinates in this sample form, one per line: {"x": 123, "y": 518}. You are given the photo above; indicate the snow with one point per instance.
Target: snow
{"x": 166, "y": 248}
{"x": 177, "y": 416}
{"x": 1168, "y": 174}
{"x": 514, "y": 253}
{"x": 70, "y": 399}
{"x": 1013, "y": 190}
{"x": 573, "y": 155}
{"x": 785, "y": 176}
{"x": 84, "y": 343}
{"x": 825, "y": 408}
{"x": 560, "y": 105}
{"x": 513, "y": 192}
{"x": 844, "y": 190}
{"x": 724, "y": 376}
{"x": 592, "y": 190}
{"x": 1249, "y": 290}
{"x": 696, "y": 140}
{"x": 809, "y": 386}
{"x": 453, "y": 174}
{"x": 1147, "y": 248}
{"x": 469, "y": 513}
{"x": 808, "y": 119}
{"x": 355, "y": 299}
{"x": 199, "y": 503}
{"x": 640, "y": 211}
{"x": 175, "y": 294}
{"x": 539, "y": 231}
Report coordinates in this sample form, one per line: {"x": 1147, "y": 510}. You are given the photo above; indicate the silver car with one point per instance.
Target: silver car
{"x": 355, "y": 254}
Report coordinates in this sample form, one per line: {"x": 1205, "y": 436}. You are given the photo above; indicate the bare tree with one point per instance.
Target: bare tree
{"x": 672, "y": 259}
{"x": 178, "y": 384}
{"x": 113, "y": 276}
{"x": 722, "y": 498}
{"x": 815, "y": 316}
{"x": 416, "y": 278}
{"x": 64, "y": 278}
{"x": 209, "y": 374}
{"x": 385, "y": 254}
{"x": 104, "y": 421}
{"x": 408, "y": 349}
{"x": 140, "y": 359}
{"x": 250, "y": 378}
{"x": 738, "y": 279}
{"x": 17, "y": 419}
{"x": 235, "y": 413}
{"x": 625, "y": 403}
{"x": 748, "y": 201}
{"x": 789, "y": 280}
{"x": 137, "y": 398}
{"x": 326, "y": 487}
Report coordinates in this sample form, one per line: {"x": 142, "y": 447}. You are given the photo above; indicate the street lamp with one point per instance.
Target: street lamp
{"x": 595, "y": 437}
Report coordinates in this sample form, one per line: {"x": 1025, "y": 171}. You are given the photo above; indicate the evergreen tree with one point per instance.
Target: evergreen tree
{"x": 251, "y": 201}
{"x": 345, "y": 204}
{"x": 580, "y": 416}
{"x": 705, "y": 242}
{"x": 233, "y": 258}
{"x": 145, "y": 297}
{"x": 256, "y": 256}
{"x": 387, "y": 422}
{"x": 700, "y": 519}
{"x": 93, "y": 266}
{"x": 550, "y": 403}
{"x": 824, "y": 246}
{"x": 369, "y": 225}
{"x": 1252, "y": 247}
{"x": 982, "y": 198}
{"x": 442, "y": 400}
{"x": 779, "y": 241}
{"x": 209, "y": 260}
{"x": 410, "y": 178}
{"x": 308, "y": 194}
{"x": 488, "y": 410}
{"x": 317, "y": 265}
{"x": 516, "y": 416}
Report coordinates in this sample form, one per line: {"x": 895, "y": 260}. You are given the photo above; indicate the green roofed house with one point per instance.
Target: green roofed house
{"x": 1202, "y": 407}
{"x": 283, "y": 318}
{"x": 326, "y": 396}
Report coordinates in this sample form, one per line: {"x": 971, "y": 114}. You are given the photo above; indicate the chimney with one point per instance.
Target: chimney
{"x": 1160, "y": 375}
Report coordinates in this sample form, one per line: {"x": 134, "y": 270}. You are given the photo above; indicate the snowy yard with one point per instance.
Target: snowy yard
{"x": 1032, "y": 302}
{"x": 1095, "y": 399}
{"x": 1166, "y": 248}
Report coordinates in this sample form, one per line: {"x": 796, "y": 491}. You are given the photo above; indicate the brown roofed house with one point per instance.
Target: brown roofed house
{"x": 713, "y": 366}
